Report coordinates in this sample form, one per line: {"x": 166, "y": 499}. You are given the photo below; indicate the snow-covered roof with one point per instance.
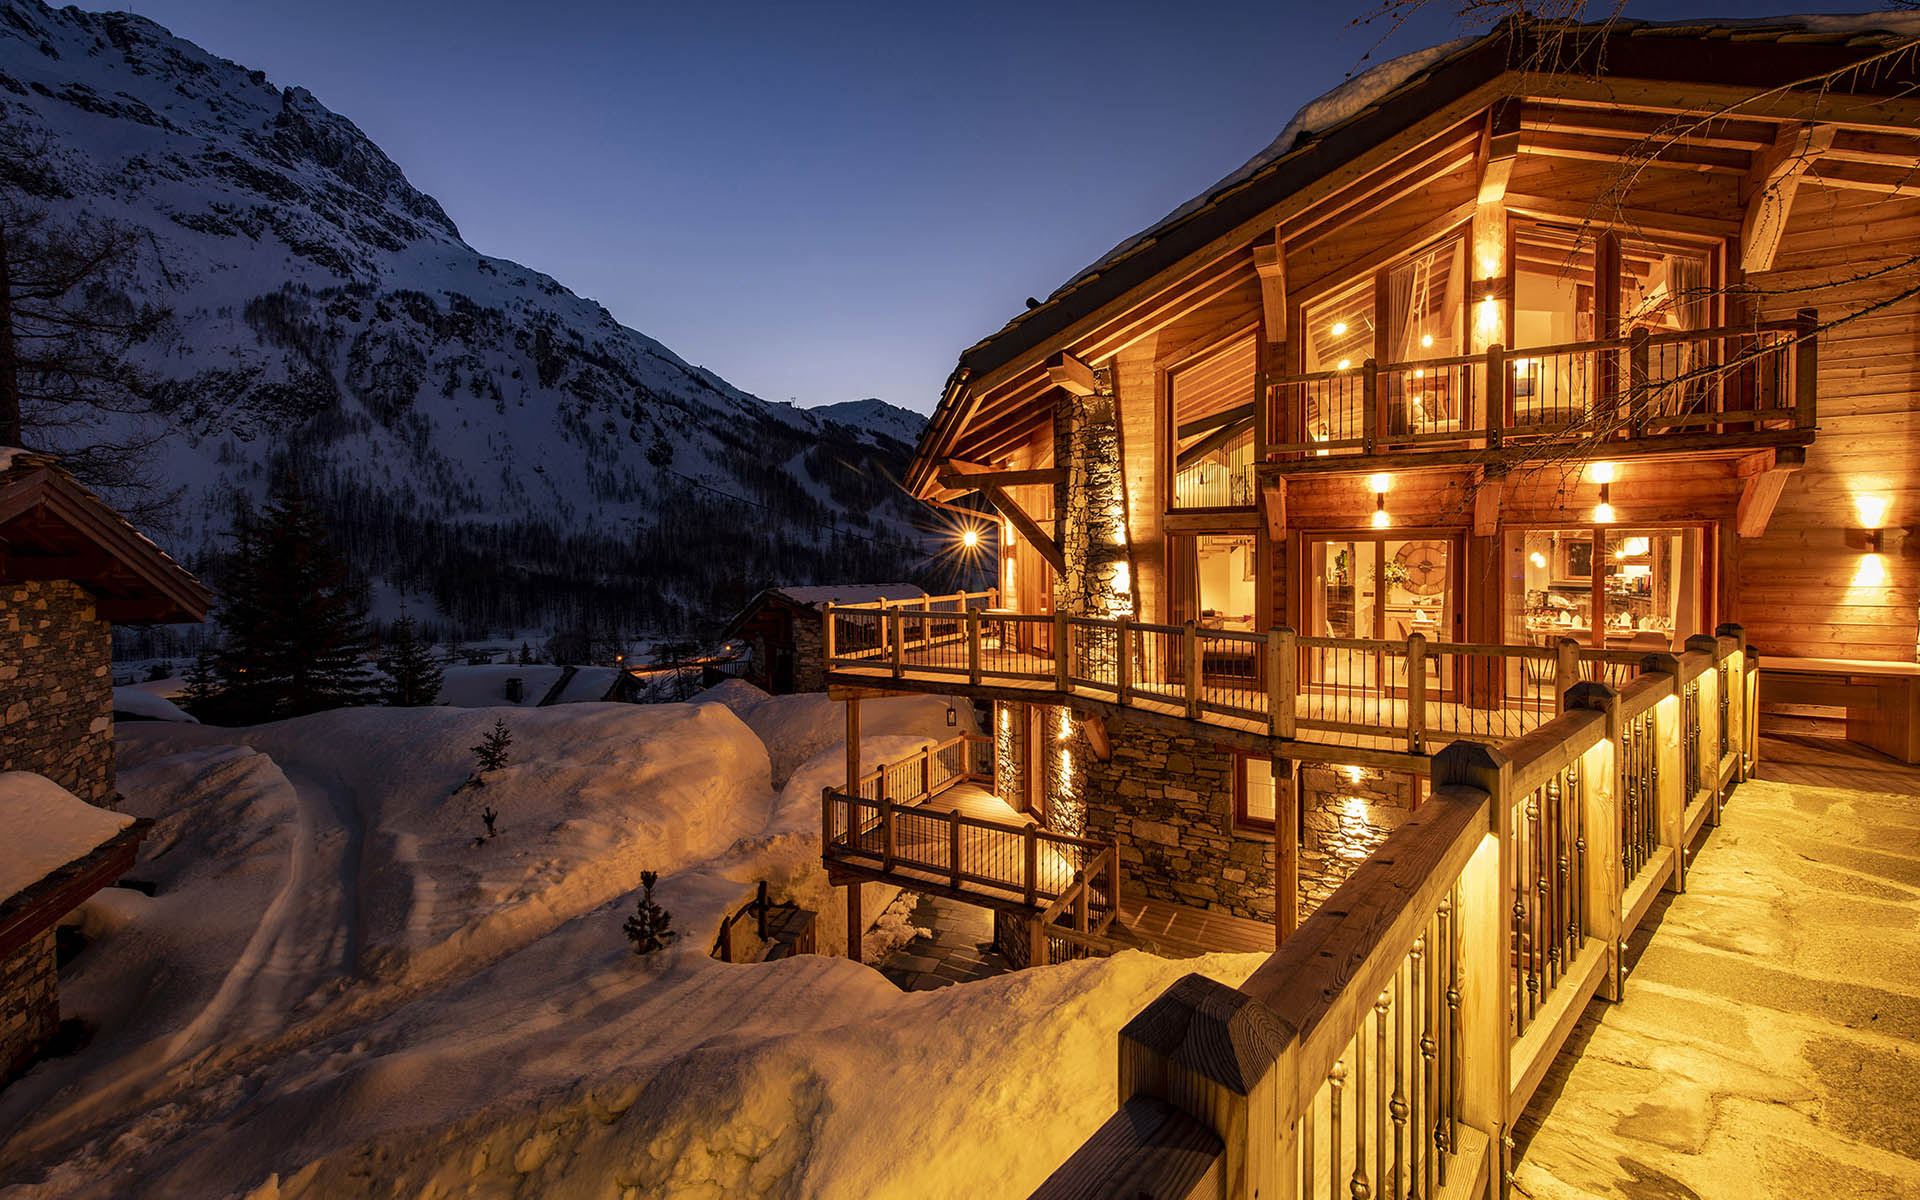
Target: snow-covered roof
{"x": 848, "y": 593}
{"x": 47, "y": 828}
{"x": 138, "y": 702}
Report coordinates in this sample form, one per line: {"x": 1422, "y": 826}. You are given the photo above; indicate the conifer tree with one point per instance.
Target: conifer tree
{"x": 413, "y": 674}
{"x": 202, "y": 694}
{"x": 491, "y": 753}
{"x": 649, "y": 928}
{"x": 295, "y": 624}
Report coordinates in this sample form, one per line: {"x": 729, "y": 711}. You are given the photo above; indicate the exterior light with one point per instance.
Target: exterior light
{"x": 1380, "y": 483}
{"x": 953, "y": 717}
{"x": 1426, "y": 339}
{"x": 1873, "y": 521}
{"x": 1602, "y": 473}
{"x": 1418, "y": 373}
{"x": 970, "y": 538}
{"x": 1339, "y": 327}
{"x": 1380, "y": 518}
{"x": 1343, "y": 364}
{"x": 1603, "y": 512}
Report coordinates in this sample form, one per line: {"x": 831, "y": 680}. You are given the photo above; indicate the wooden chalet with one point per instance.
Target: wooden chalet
{"x": 1421, "y": 518}
{"x": 781, "y": 629}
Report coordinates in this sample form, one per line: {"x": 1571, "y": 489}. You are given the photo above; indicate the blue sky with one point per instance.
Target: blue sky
{"x": 820, "y": 201}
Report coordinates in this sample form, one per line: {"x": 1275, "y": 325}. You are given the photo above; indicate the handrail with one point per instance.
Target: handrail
{"x": 1398, "y": 1033}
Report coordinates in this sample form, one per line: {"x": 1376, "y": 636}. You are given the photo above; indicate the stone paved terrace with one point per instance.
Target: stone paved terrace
{"x": 1769, "y": 1042}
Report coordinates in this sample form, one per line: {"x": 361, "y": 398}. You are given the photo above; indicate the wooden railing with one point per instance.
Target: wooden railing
{"x": 1753, "y": 377}
{"x": 1397, "y": 695}
{"x": 1075, "y": 924}
{"x": 930, "y": 770}
{"x": 1389, "y": 1044}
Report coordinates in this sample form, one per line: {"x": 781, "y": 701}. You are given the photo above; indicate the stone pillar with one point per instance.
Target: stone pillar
{"x": 1092, "y": 507}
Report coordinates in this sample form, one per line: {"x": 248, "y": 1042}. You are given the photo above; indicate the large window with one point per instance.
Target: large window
{"x": 1225, "y": 580}
{"x": 1213, "y": 414}
{"x": 1606, "y": 587}
{"x": 1254, "y": 798}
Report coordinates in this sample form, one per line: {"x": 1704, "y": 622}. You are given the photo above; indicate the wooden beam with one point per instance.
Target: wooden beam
{"x": 1273, "y": 504}
{"x": 1775, "y": 179}
{"x": 1270, "y": 262}
{"x": 1095, "y": 727}
{"x": 1499, "y": 148}
{"x": 1647, "y": 153}
{"x": 1199, "y": 425}
{"x": 1067, "y": 371}
{"x": 1487, "y": 499}
{"x": 1659, "y": 129}
{"x": 1213, "y": 441}
{"x": 1766, "y": 475}
{"x": 1697, "y": 228}
{"x": 965, "y": 475}
{"x": 1898, "y": 182}
{"x": 1040, "y": 539}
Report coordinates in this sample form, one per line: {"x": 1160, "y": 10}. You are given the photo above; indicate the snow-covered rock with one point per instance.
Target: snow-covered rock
{"x": 146, "y": 705}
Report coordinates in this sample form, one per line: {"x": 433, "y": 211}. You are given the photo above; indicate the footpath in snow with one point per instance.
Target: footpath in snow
{"x": 342, "y": 987}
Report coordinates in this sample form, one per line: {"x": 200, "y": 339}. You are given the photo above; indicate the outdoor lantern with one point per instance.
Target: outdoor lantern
{"x": 1380, "y": 484}
{"x": 970, "y": 538}
{"x": 1603, "y": 475}
{"x": 953, "y": 718}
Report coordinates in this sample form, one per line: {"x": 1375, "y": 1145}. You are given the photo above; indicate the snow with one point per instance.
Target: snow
{"x": 486, "y": 687}
{"x": 47, "y": 828}
{"x": 7, "y": 454}
{"x": 851, "y": 593}
{"x": 332, "y": 973}
{"x": 144, "y": 703}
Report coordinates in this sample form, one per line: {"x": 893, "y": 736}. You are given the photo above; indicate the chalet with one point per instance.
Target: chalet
{"x": 69, "y": 567}
{"x": 1465, "y": 470}
{"x": 781, "y": 627}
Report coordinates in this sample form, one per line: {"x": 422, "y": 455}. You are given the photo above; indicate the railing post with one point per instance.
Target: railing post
{"x": 1286, "y": 848}
{"x": 1739, "y": 732}
{"x": 895, "y": 636}
{"x": 1484, "y": 925}
{"x": 1190, "y": 650}
{"x": 1416, "y": 692}
{"x": 1080, "y": 902}
{"x": 973, "y": 646}
{"x": 853, "y": 745}
{"x": 1122, "y": 660}
{"x": 1499, "y": 394}
{"x": 953, "y": 848}
{"x": 1669, "y": 794}
{"x": 1036, "y": 942}
{"x": 886, "y": 827}
{"x": 826, "y": 818}
{"x": 1369, "y": 405}
{"x": 1638, "y": 376}
{"x": 826, "y": 634}
{"x": 1566, "y": 671}
{"x": 1032, "y": 864}
{"x": 1709, "y": 730}
{"x": 926, "y": 771}
{"x": 1602, "y": 776}
{"x": 1062, "y": 652}
{"x": 1806, "y": 368}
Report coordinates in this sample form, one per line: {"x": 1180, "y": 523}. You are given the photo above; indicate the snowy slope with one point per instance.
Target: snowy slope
{"x": 328, "y": 311}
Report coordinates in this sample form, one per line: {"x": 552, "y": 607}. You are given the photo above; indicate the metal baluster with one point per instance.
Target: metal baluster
{"x": 1336, "y": 1079}
{"x": 1452, "y": 937}
{"x": 1397, "y": 1107}
{"x": 1577, "y": 818}
{"x": 1420, "y": 1172}
{"x": 1553, "y": 886}
{"x": 1383, "y": 1071}
{"x": 1359, "y": 1186}
{"x": 1306, "y": 1149}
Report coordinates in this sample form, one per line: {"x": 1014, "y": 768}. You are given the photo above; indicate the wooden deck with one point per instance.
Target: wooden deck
{"x": 1178, "y": 931}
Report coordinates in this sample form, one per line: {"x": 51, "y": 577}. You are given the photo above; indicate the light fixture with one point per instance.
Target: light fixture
{"x": 1380, "y": 483}
{"x": 1537, "y": 559}
{"x": 1419, "y": 373}
{"x": 1873, "y": 521}
{"x": 1603, "y": 475}
{"x": 970, "y": 538}
{"x": 953, "y": 718}
{"x": 1343, "y": 364}
{"x": 1339, "y": 327}
{"x": 1426, "y": 339}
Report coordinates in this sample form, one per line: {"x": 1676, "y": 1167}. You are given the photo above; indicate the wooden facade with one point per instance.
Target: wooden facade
{"x": 1666, "y": 268}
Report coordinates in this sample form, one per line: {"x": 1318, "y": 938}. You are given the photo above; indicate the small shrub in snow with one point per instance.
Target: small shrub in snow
{"x": 491, "y": 753}
{"x": 648, "y": 928}
{"x": 488, "y": 817}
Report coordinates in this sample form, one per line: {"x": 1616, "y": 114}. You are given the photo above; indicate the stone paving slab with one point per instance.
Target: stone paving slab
{"x": 960, "y": 948}
{"x": 1769, "y": 1042}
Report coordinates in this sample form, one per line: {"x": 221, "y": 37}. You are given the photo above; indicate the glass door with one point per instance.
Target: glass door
{"x": 1382, "y": 588}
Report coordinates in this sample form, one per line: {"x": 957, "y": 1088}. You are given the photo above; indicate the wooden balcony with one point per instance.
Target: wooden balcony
{"x": 1389, "y": 1044}
{"x": 1339, "y": 699}
{"x": 1731, "y": 389}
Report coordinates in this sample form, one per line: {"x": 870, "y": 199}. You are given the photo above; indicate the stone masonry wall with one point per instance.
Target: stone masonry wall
{"x": 56, "y": 688}
{"x": 1167, "y": 801}
{"x": 1347, "y": 812}
{"x": 809, "y": 668}
{"x": 29, "y": 1005}
{"x": 1091, "y": 505}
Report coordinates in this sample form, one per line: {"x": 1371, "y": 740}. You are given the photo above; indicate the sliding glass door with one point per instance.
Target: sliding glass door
{"x": 1377, "y": 587}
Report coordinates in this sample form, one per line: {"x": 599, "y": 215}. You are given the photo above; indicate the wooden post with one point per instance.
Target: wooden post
{"x": 1499, "y": 393}
{"x": 926, "y": 771}
{"x": 1114, "y": 878}
{"x": 1566, "y": 671}
{"x": 853, "y": 746}
{"x": 895, "y": 637}
{"x": 854, "y": 926}
{"x": 886, "y": 828}
{"x": 1709, "y": 731}
{"x": 1484, "y": 927}
{"x": 1669, "y": 792}
{"x": 1416, "y": 692}
{"x": 1062, "y": 652}
{"x": 1742, "y": 720}
{"x": 1637, "y": 378}
{"x": 1190, "y": 645}
{"x": 1036, "y": 942}
{"x": 1806, "y": 368}
{"x": 973, "y": 646}
{"x": 1032, "y": 862}
{"x": 1369, "y": 405}
{"x": 953, "y": 848}
{"x": 1286, "y": 849}
{"x": 1080, "y": 901}
{"x": 1123, "y": 661}
{"x": 826, "y": 634}
{"x": 1604, "y": 788}
{"x": 1287, "y": 668}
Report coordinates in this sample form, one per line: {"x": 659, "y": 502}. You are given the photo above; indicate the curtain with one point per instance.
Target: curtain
{"x": 1686, "y": 278}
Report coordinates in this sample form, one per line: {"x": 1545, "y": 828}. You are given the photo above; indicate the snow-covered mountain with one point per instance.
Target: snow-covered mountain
{"x": 480, "y": 432}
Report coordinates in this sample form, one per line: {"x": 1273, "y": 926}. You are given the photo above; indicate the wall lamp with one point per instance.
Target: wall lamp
{"x": 1380, "y": 484}
{"x": 1603, "y": 475}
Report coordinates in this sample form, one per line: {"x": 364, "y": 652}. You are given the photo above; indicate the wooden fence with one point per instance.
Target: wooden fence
{"x": 1388, "y": 1045}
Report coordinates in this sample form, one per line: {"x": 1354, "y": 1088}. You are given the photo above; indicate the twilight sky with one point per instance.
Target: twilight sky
{"x": 818, "y": 200}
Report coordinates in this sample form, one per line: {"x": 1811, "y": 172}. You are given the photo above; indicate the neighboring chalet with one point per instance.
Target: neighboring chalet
{"x": 1439, "y": 476}
{"x": 781, "y": 627}
{"x": 70, "y": 566}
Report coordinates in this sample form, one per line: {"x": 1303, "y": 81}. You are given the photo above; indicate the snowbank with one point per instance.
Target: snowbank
{"x": 47, "y": 827}
{"x": 146, "y": 705}
{"x": 797, "y": 728}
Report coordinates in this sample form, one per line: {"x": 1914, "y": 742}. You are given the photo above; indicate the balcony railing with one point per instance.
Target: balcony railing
{"x": 1747, "y": 378}
{"x": 1391, "y": 1041}
{"x": 1381, "y": 695}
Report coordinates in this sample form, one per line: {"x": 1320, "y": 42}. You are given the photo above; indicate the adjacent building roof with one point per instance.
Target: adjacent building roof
{"x": 52, "y": 527}
{"x": 816, "y": 597}
{"x": 60, "y": 850}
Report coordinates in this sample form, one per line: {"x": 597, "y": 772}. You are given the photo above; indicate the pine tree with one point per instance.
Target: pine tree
{"x": 491, "y": 753}
{"x": 526, "y": 655}
{"x": 202, "y": 695}
{"x": 295, "y": 624}
{"x": 648, "y": 927}
{"x": 413, "y": 674}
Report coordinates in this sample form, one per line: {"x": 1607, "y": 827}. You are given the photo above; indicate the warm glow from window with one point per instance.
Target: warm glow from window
{"x": 1380, "y": 483}
{"x": 1339, "y": 328}
{"x": 1601, "y": 472}
{"x": 1122, "y": 578}
{"x": 1521, "y": 364}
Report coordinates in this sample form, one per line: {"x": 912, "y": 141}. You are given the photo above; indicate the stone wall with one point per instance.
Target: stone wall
{"x": 1167, "y": 801}
{"x": 29, "y": 1004}
{"x": 809, "y": 644}
{"x": 1346, "y": 813}
{"x": 1091, "y": 510}
{"x": 56, "y": 688}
